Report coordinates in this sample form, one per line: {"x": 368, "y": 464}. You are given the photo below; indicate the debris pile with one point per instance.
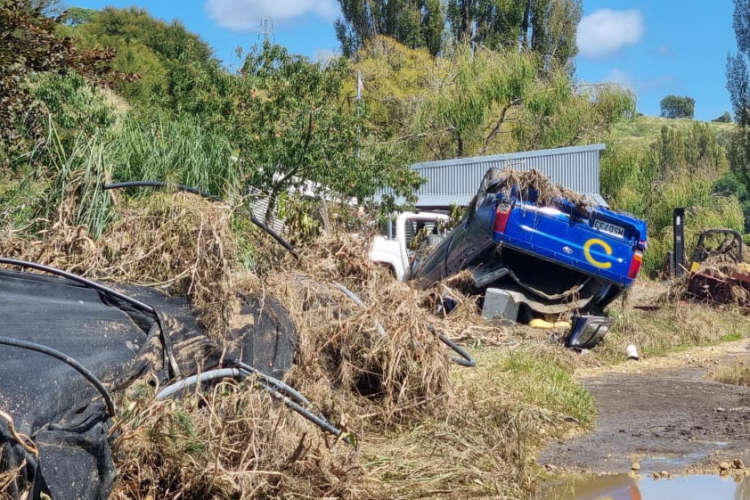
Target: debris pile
{"x": 368, "y": 354}
{"x": 534, "y": 185}
{"x": 718, "y": 285}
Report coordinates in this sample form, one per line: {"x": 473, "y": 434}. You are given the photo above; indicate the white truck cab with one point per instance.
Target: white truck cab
{"x": 394, "y": 250}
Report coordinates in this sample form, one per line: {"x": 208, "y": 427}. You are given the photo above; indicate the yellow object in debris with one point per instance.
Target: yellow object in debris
{"x": 547, "y": 325}
{"x": 540, "y": 323}
{"x": 744, "y": 267}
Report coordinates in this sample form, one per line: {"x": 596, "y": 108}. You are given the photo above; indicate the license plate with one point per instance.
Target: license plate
{"x": 609, "y": 228}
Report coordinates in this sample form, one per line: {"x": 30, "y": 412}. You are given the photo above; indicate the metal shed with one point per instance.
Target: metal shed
{"x": 457, "y": 181}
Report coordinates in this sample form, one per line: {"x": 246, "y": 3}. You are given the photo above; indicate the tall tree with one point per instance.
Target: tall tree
{"x": 738, "y": 85}
{"x": 547, "y": 27}
{"x": 414, "y": 23}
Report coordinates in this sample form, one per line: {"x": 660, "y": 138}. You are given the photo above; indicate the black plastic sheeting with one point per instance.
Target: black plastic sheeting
{"x": 61, "y": 412}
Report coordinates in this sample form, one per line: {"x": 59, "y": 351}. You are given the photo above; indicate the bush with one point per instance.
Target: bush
{"x": 634, "y": 181}
{"x": 725, "y": 118}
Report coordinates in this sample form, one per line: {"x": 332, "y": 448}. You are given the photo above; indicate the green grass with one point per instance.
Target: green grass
{"x": 731, "y": 337}
{"x": 541, "y": 382}
{"x": 674, "y": 326}
{"x": 648, "y": 128}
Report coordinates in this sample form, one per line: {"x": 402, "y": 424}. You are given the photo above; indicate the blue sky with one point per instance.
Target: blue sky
{"x": 655, "y": 47}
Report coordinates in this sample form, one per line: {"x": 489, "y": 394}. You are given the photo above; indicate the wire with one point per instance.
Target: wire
{"x": 33, "y": 346}
{"x": 182, "y": 187}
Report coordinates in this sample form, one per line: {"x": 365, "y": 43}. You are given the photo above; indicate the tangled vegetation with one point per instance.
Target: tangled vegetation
{"x": 284, "y": 124}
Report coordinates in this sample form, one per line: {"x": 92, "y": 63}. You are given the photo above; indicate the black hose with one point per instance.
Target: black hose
{"x": 274, "y": 383}
{"x": 33, "y": 346}
{"x": 235, "y": 372}
{"x": 82, "y": 281}
{"x": 181, "y": 187}
{"x": 467, "y": 360}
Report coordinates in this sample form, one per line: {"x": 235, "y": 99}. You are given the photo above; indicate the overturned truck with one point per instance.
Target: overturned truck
{"x": 540, "y": 251}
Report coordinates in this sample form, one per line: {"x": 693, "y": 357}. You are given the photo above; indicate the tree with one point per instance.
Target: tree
{"x": 725, "y": 118}
{"x": 673, "y": 106}
{"x": 738, "y": 85}
{"x": 28, "y": 45}
{"x": 177, "y": 69}
{"x": 492, "y": 102}
{"x": 547, "y": 27}
{"x": 414, "y": 23}
{"x": 294, "y": 128}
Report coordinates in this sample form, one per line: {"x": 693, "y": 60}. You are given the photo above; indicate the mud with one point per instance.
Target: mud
{"x": 664, "y": 414}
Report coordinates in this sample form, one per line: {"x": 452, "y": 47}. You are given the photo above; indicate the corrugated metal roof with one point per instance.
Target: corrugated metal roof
{"x": 456, "y": 181}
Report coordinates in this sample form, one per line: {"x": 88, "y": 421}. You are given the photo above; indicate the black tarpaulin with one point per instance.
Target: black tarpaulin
{"x": 61, "y": 412}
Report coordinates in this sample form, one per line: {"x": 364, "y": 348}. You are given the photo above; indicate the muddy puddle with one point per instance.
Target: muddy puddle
{"x": 627, "y": 487}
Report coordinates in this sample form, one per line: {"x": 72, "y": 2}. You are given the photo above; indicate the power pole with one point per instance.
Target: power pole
{"x": 266, "y": 28}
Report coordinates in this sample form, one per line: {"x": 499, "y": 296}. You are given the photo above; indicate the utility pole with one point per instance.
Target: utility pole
{"x": 266, "y": 28}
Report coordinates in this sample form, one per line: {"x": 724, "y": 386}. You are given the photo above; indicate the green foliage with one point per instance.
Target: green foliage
{"x": 680, "y": 169}
{"x": 179, "y": 151}
{"x": 76, "y": 179}
{"x": 560, "y": 115}
{"x": 725, "y": 118}
{"x": 729, "y": 185}
{"x": 498, "y": 101}
{"x": 28, "y": 45}
{"x": 294, "y": 129}
{"x": 644, "y": 130}
{"x": 673, "y": 106}
{"x": 690, "y": 152}
{"x": 177, "y": 70}
{"x": 547, "y": 27}
{"x": 76, "y": 106}
{"x": 414, "y": 23}
{"x": 738, "y": 85}
{"x": 396, "y": 79}
{"x": 540, "y": 381}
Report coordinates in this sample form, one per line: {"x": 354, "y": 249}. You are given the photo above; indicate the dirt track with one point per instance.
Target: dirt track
{"x": 664, "y": 413}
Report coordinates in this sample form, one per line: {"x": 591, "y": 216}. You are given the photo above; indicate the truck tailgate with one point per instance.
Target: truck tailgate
{"x": 598, "y": 245}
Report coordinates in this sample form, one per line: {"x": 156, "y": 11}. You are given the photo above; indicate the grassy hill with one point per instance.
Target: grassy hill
{"x": 648, "y": 128}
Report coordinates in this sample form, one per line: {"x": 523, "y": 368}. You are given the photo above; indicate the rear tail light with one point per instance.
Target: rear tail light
{"x": 501, "y": 217}
{"x": 635, "y": 264}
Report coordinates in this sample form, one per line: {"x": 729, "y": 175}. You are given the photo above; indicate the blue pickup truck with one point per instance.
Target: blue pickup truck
{"x": 548, "y": 250}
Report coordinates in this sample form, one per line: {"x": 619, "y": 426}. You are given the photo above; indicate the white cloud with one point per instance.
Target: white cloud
{"x": 604, "y": 32}
{"x": 246, "y": 14}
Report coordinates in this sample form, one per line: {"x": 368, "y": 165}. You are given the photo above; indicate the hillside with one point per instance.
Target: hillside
{"x": 648, "y": 128}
